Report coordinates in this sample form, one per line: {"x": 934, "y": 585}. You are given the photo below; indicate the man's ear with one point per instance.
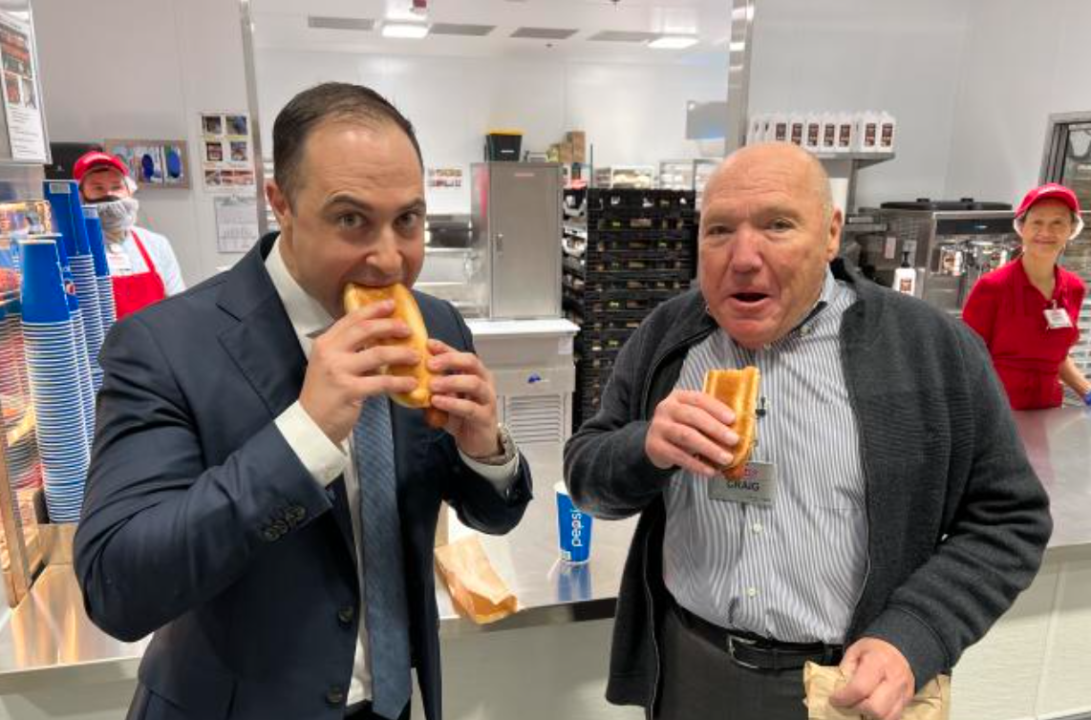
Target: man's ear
{"x": 833, "y": 242}
{"x": 278, "y": 201}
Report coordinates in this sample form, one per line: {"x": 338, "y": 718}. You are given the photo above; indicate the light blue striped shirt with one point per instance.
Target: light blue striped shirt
{"x": 793, "y": 571}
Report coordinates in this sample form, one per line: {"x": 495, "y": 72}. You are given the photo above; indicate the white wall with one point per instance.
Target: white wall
{"x": 900, "y": 56}
{"x": 632, "y": 114}
{"x": 152, "y": 66}
{"x": 1021, "y": 65}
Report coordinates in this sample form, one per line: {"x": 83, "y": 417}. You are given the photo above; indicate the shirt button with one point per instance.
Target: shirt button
{"x": 751, "y": 592}
{"x": 346, "y": 615}
{"x": 335, "y": 695}
{"x": 805, "y": 330}
{"x": 757, "y": 528}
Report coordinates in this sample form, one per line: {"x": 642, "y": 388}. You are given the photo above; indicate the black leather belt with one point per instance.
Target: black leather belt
{"x": 757, "y": 653}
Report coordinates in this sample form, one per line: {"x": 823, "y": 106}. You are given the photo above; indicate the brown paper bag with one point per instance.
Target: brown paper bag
{"x": 933, "y": 702}
{"x": 475, "y": 587}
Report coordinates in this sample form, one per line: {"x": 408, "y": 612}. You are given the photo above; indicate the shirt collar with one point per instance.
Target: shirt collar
{"x": 829, "y": 291}
{"x": 309, "y": 319}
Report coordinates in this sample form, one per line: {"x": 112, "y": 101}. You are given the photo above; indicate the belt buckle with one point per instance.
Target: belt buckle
{"x": 732, "y": 641}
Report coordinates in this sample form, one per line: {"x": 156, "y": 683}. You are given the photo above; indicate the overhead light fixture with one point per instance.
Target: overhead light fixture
{"x": 405, "y": 30}
{"x": 672, "y": 42}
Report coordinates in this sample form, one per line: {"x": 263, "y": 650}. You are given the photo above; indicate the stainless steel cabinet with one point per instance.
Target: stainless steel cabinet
{"x": 516, "y": 212}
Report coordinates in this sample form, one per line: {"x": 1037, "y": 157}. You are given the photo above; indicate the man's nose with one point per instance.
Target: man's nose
{"x": 384, "y": 256}
{"x": 746, "y": 251}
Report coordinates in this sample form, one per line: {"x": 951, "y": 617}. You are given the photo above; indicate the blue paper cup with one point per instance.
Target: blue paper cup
{"x": 64, "y": 196}
{"x": 94, "y": 240}
{"x": 573, "y": 528}
{"x": 44, "y": 299}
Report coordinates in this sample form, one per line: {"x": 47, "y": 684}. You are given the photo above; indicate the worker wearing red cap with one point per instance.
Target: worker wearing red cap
{"x": 143, "y": 267}
{"x": 1026, "y": 311}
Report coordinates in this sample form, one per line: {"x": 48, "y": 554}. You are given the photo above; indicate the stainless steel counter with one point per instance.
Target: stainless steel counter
{"x": 48, "y": 640}
{"x": 1058, "y": 443}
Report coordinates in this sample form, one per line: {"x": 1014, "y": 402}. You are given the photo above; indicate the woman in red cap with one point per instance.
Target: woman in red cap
{"x": 1026, "y": 311}
{"x": 143, "y": 267}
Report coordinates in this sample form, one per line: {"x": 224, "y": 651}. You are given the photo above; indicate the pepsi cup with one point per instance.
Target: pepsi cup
{"x": 573, "y": 527}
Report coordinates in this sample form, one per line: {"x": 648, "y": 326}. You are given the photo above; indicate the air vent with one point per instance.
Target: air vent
{"x": 339, "y": 23}
{"x": 535, "y": 418}
{"x": 543, "y": 33}
{"x": 623, "y": 36}
{"x": 461, "y": 29}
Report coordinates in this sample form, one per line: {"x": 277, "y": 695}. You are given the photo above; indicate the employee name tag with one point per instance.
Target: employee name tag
{"x": 119, "y": 262}
{"x": 757, "y": 486}
{"x": 1057, "y": 319}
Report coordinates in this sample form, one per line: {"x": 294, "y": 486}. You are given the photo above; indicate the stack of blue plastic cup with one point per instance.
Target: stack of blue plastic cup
{"x": 68, "y": 218}
{"x": 102, "y": 268}
{"x": 55, "y": 386}
{"x": 80, "y": 356}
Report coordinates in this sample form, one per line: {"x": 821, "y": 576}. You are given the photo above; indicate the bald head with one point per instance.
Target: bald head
{"x": 768, "y": 233}
{"x": 791, "y": 159}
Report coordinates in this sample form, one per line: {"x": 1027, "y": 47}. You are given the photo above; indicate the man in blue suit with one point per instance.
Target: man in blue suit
{"x": 235, "y": 504}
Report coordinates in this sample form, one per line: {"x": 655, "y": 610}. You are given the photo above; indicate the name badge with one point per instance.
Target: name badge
{"x": 757, "y": 486}
{"x": 1057, "y": 319}
{"x": 119, "y": 262}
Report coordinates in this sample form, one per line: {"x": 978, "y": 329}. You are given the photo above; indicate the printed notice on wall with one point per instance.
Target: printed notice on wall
{"x": 444, "y": 178}
{"x": 22, "y": 105}
{"x": 226, "y": 153}
{"x": 236, "y": 223}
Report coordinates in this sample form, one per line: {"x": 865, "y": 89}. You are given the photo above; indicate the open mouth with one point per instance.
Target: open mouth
{"x": 749, "y": 298}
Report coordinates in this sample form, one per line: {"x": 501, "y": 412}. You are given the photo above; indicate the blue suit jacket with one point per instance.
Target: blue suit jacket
{"x": 201, "y": 524}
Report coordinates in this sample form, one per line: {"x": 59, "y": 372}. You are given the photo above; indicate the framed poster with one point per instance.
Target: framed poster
{"x": 227, "y": 162}
{"x": 153, "y": 163}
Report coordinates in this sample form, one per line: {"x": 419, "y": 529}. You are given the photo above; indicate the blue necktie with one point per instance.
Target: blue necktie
{"x": 381, "y": 559}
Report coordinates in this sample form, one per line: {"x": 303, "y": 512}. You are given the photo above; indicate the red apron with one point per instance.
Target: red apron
{"x": 1028, "y": 354}
{"x": 137, "y": 291}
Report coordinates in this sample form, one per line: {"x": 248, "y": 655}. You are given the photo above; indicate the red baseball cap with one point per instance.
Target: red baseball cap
{"x": 95, "y": 159}
{"x": 1049, "y": 191}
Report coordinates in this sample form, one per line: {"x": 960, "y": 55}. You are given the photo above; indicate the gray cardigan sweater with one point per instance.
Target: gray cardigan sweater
{"x": 958, "y": 521}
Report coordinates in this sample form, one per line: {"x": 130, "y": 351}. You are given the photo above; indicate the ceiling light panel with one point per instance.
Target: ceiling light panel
{"x": 461, "y": 29}
{"x": 404, "y": 31}
{"x": 623, "y": 36}
{"x": 536, "y": 33}
{"x": 321, "y": 22}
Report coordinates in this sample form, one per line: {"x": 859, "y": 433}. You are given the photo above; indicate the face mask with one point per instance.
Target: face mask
{"x": 118, "y": 215}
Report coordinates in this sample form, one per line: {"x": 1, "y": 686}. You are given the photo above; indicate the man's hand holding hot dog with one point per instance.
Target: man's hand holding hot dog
{"x": 345, "y": 364}
{"x": 690, "y": 430}
{"x": 464, "y": 388}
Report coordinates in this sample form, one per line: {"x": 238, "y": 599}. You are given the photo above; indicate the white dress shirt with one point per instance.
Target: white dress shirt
{"x": 325, "y": 460}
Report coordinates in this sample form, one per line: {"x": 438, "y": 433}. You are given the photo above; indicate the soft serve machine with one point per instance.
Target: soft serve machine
{"x": 949, "y": 243}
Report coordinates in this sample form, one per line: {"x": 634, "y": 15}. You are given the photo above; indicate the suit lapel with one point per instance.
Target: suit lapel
{"x": 265, "y": 348}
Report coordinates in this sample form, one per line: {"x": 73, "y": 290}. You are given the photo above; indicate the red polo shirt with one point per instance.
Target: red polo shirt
{"x": 1009, "y": 314}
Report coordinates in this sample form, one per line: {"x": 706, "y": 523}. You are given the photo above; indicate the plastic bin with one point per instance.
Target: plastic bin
{"x": 503, "y": 145}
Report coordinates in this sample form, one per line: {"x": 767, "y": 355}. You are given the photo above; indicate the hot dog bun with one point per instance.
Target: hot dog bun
{"x": 738, "y": 389}
{"x": 405, "y": 309}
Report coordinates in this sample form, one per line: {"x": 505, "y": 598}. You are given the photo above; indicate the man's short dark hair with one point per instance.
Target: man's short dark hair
{"x": 331, "y": 101}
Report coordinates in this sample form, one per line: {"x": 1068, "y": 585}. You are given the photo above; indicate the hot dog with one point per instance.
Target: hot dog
{"x": 405, "y": 309}
{"x": 738, "y": 389}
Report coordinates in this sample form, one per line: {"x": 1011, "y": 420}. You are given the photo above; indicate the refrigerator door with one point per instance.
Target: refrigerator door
{"x": 524, "y": 227}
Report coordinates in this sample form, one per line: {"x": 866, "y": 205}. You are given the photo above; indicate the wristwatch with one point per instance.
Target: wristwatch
{"x": 507, "y": 449}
